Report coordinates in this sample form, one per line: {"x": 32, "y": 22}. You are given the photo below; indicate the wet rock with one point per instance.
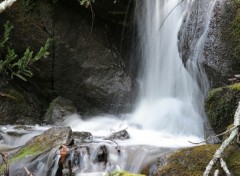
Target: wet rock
{"x": 16, "y": 133}
{"x": 49, "y": 139}
{"x": 59, "y": 109}
{"x": 82, "y": 137}
{"x": 218, "y": 55}
{"x": 121, "y": 135}
{"x": 22, "y": 127}
{"x": 102, "y": 154}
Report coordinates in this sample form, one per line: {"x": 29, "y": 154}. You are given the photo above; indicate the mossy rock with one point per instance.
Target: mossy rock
{"x": 193, "y": 161}
{"x": 123, "y": 173}
{"x": 221, "y": 105}
{"x": 51, "y": 138}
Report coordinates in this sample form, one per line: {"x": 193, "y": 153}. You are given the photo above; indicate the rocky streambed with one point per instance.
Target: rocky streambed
{"x": 60, "y": 151}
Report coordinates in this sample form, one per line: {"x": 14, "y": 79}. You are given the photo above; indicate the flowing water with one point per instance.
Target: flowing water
{"x": 168, "y": 113}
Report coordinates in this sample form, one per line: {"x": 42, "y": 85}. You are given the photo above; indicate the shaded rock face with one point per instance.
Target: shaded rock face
{"x": 19, "y": 108}
{"x": 216, "y": 53}
{"x": 85, "y": 64}
{"x": 90, "y": 71}
{"x": 58, "y": 111}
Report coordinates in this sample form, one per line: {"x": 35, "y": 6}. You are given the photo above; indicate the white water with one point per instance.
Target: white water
{"x": 168, "y": 113}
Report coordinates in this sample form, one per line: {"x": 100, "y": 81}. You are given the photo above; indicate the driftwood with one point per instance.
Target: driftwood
{"x": 5, "y": 4}
{"x": 218, "y": 154}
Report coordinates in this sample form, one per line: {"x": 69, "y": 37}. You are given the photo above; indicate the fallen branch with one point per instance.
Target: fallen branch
{"x": 5, "y": 4}
{"x": 224, "y": 166}
{"x": 212, "y": 137}
{"x": 218, "y": 154}
{"x": 28, "y": 172}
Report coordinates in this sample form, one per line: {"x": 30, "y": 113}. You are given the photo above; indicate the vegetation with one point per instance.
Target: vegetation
{"x": 193, "y": 161}
{"x": 12, "y": 65}
{"x": 122, "y": 173}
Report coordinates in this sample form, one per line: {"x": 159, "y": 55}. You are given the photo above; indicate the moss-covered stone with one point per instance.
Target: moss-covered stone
{"x": 123, "y": 173}
{"x": 48, "y": 140}
{"x": 234, "y": 34}
{"x": 193, "y": 161}
{"x": 221, "y": 105}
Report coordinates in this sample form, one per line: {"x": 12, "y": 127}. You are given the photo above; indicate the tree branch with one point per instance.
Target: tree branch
{"x": 218, "y": 154}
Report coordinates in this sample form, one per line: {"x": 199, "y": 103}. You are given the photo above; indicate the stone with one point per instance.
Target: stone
{"x": 86, "y": 64}
{"x": 58, "y": 111}
{"x": 217, "y": 56}
{"x": 19, "y": 108}
{"x": 82, "y": 137}
{"x": 121, "y": 135}
{"x": 221, "y": 105}
{"x": 49, "y": 139}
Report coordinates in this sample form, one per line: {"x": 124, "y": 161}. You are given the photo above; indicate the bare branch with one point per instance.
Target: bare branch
{"x": 218, "y": 154}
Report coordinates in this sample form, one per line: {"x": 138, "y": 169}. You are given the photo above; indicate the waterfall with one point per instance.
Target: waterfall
{"x": 170, "y": 106}
{"x": 169, "y": 94}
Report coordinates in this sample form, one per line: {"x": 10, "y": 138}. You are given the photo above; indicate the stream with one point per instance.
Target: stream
{"x": 168, "y": 113}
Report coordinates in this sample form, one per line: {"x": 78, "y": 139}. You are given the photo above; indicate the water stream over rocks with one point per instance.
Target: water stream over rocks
{"x": 168, "y": 113}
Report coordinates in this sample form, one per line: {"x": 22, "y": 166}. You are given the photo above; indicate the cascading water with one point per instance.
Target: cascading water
{"x": 168, "y": 107}
{"x": 169, "y": 110}
{"x": 168, "y": 92}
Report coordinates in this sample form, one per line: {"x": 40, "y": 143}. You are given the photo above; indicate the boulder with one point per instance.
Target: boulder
{"x": 221, "y": 105}
{"x": 85, "y": 63}
{"x": 59, "y": 109}
{"x": 193, "y": 161}
{"x": 49, "y": 139}
{"x": 82, "y": 137}
{"x": 121, "y": 135}
{"x": 218, "y": 54}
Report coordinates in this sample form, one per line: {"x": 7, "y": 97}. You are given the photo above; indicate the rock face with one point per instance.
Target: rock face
{"x": 58, "y": 110}
{"x": 19, "y": 108}
{"x": 85, "y": 64}
{"x": 221, "y": 105}
{"x": 216, "y": 54}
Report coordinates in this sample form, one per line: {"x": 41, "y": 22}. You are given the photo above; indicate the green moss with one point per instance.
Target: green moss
{"x": 193, "y": 161}
{"x": 123, "y": 173}
{"x": 221, "y": 105}
{"x": 234, "y": 34}
{"x": 235, "y": 86}
{"x": 188, "y": 162}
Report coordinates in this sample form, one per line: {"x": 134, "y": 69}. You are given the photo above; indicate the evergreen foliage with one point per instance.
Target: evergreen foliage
{"x": 11, "y": 65}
